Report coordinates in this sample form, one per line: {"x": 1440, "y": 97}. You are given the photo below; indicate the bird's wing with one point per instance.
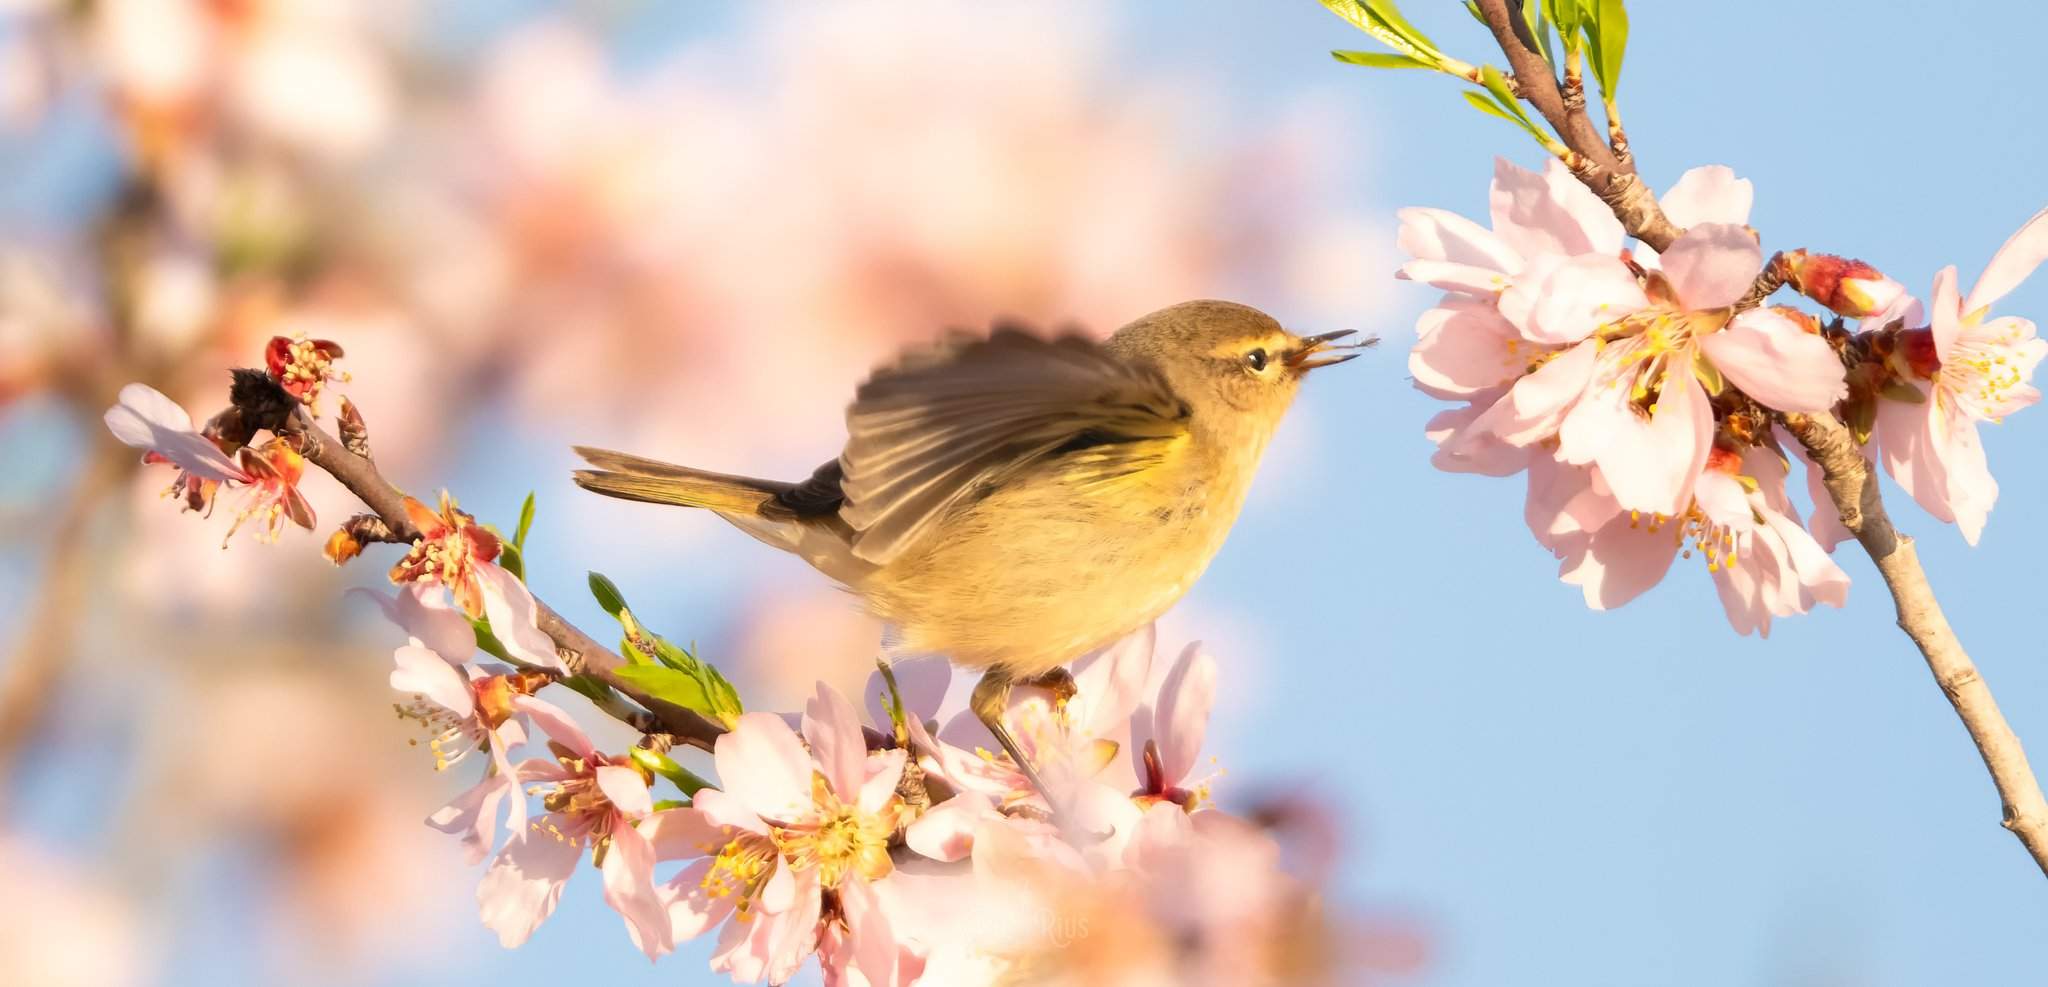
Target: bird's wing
{"x": 929, "y": 431}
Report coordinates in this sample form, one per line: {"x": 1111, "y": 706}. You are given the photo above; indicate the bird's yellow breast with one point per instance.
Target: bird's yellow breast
{"x": 1058, "y": 561}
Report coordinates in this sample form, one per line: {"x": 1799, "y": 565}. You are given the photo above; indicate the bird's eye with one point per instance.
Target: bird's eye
{"x": 1256, "y": 360}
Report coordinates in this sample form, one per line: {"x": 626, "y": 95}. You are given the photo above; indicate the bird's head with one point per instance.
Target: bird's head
{"x": 1237, "y": 368}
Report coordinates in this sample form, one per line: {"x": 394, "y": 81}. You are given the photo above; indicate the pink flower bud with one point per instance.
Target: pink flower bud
{"x": 1847, "y": 287}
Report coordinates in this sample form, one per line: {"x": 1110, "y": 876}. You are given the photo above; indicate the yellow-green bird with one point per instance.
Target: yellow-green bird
{"x": 1014, "y": 502}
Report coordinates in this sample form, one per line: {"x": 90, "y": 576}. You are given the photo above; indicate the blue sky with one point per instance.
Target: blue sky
{"x": 1560, "y": 796}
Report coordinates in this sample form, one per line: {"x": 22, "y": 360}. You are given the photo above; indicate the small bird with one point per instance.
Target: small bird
{"x": 1014, "y": 502}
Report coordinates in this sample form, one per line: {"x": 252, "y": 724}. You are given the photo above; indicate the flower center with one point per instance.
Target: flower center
{"x": 578, "y": 811}
{"x": 740, "y": 869}
{"x": 1980, "y": 374}
{"x": 450, "y": 738}
{"x": 1715, "y": 542}
{"x": 840, "y": 839}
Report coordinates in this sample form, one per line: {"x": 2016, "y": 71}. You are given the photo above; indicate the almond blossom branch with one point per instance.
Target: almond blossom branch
{"x": 582, "y": 653}
{"x": 1853, "y": 487}
{"x": 1849, "y": 481}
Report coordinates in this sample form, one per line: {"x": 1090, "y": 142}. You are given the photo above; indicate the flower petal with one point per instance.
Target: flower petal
{"x": 1911, "y": 456}
{"x": 1776, "y": 362}
{"x": 692, "y": 909}
{"x": 424, "y": 613}
{"x": 1619, "y": 562}
{"x": 557, "y": 724}
{"x": 869, "y": 934}
{"x": 626, "y": 790}
{"x": 1460, "y": 279}
{"x": 833, "y": 730}
{"x": 946, "y": 831}
{"x": 422, "y": 672}
{"x": 1534, "y": 407}
{"x": 884, "y": 771}
{"x": 523, "y": 885}
{"x": 1182, "y": 716}
{"x": 1111, "y": 682}
{"x": 2022, "y": 253}
{"x": 1550, "y": 213}
{"x": 629, "y": 888}
{"x": 922, "y": 682}
{"x": 1464, "y": 449}
{"x": 1439, "y": 235}
{"x": 1713, "y": 264}
{"x": 763, "y": 765}
{"x": 1465, "y": 348}
{"x": 1709, "y": 194}
{"x": 472, "y": 815}
{"x": 146, "y": 419}
{"x": 1561, "y": 301}
{"x": 514, "y": 618}
{"x": 1651, "y": 465}
{"x": 1945, "y": 313}
{"x": 683, "y": 833}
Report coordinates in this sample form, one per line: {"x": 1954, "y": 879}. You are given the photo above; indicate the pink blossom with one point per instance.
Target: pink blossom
{"x": 455, "y": 551}
{"x": 791, "y": 827}
{"x": 1072, "y": 744}
{"x": 1738, "y": 524}
{"x": 1521, "y": 343}
{"x": 591, "y": 801}
{"x": 1632, "y": 400}
{"x": 1168, "y": 732}
{"x": 1551, "y": 263}
{"x": 271, "y": 495}
{"x": 146, "y": 419}
{"x": 463, "y": 709}
{"x": 1971, "y": 368}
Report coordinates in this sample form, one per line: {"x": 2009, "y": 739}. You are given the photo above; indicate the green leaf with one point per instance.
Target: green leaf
{"x": 725, "y": 700}
{"x": 1390, "y": 15}
{"x": 512, "y": 559}
{"x": 1533, "y": 14}
{"x": 1484, "y": 103}
{"x": 661, "y": 805}
{"x": 607, "y": 593}
{"x": 587, "y": 687}
{"x": 525, "y": 523}
{"x": 1504, "y": 94}
{"x": 1382, "y": 20}
{"x": 489, "y": 642}
{"x": 1566, "y": 15}
{"x": 667, "y": 685}
{"x": 1379, "y": 60}
{"x": 1472, "y": 7}
{"x": 1606, "y": 28}
{"x": 664, "y": 766}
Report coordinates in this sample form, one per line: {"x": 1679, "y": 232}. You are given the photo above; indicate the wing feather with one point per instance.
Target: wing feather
{"x": 926, "y": 433}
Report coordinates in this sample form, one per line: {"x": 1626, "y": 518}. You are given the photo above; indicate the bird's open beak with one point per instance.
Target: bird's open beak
{"x": 1318, "y": 351}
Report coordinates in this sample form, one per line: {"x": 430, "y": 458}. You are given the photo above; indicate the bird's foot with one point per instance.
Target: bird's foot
{"x": 1059, "y": 682}
{"x": 991, "y": 699}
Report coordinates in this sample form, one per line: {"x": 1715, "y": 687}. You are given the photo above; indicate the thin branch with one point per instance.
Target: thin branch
{"x": 1853, "y": 488}
{"x": 1592, "y": 160}
{"x": 583, "y": 654}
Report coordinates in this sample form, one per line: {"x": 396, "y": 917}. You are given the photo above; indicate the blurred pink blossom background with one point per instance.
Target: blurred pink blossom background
{"x": 523, "y": 237}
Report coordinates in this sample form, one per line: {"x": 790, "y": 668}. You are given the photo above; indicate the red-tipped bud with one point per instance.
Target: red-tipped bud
{"x": 1847, "y": 287}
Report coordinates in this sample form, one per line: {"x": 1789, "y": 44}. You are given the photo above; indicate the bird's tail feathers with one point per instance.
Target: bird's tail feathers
{"x": 630, "y": 477}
